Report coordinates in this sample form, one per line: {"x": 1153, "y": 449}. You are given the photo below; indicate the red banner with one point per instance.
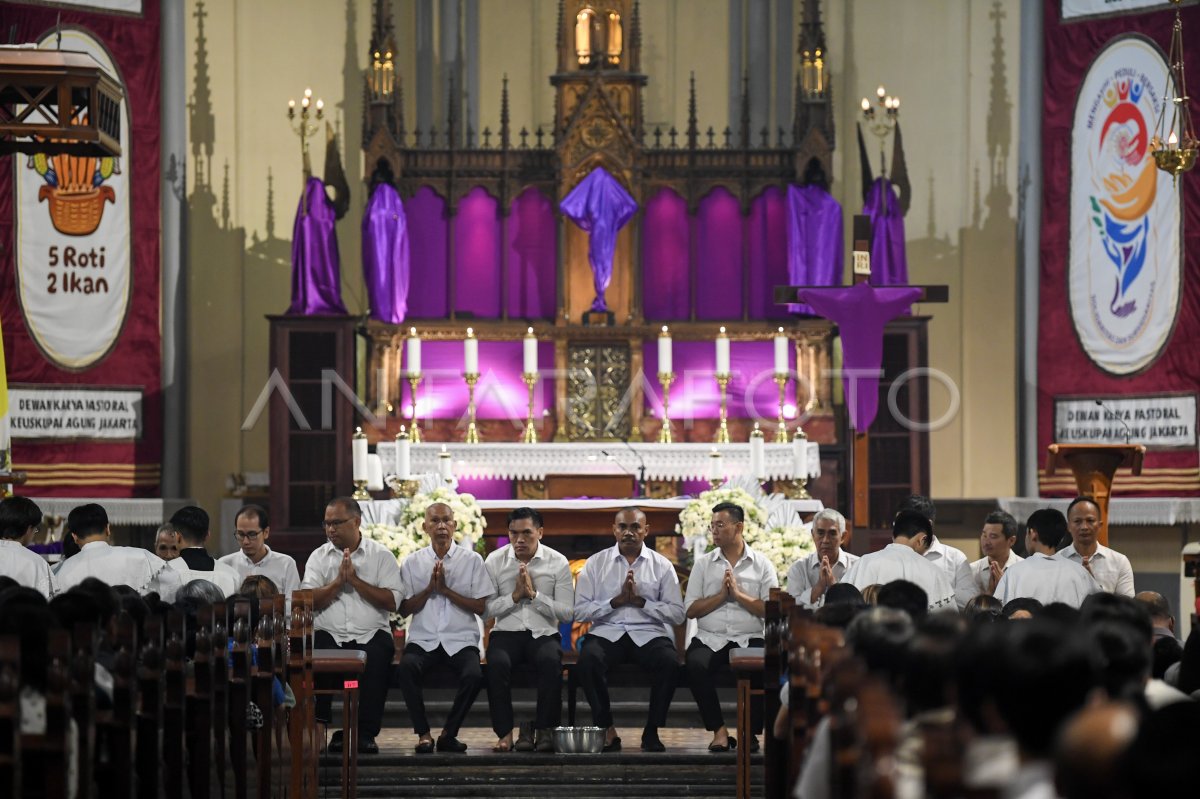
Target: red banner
{"x": 1119, "y": 312}
{"x": 79, "y": 278}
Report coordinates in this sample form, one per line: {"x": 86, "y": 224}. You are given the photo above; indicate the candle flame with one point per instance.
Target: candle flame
{"x": 1172, "y": 140}
{"x": 470, "y": 332}
{"x": 665, "y": 330}
{"x": 880, "y": 92}
{"x": 866, "y": 104}
{"x": 529, "y": 332}
{"x": 722, "y": 330}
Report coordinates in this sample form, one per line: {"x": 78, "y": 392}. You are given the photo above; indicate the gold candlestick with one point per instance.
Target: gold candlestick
{"x": 472, "y": 436}
{"x": 306, "y": 126}
{"x": 405, "y": 489}
{"x": 723, "y": 430}
{"x": 530, "y": 434}
{"x": 665, "y": 379}
{"x": 781, "y": 434}
{"x": 715, "y": 477}
{"x": 797, "y": 487}
{"x": 414, "y": 432}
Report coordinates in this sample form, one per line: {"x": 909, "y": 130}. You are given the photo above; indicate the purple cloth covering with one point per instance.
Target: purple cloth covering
{"x": 477, "y": 255}
{"x": 316, "y": 280}
{"x": 532, "y": 256}
{"x": 426, "y": 212}
{"x": 889, "y": 264}
{"x": 385, "y": 255}
{"x": 767, "y": 247}
{"x": 814, "y": 240}
{"x": 601, "y": 206}
{"x": 719, "y": 260}
{"x": 860, "y": 312}
{"x": 666, "y": 272}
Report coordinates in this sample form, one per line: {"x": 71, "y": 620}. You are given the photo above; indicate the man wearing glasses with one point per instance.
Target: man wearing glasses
{"x": 252, "y": 529}
{"x": 356, "y": 586}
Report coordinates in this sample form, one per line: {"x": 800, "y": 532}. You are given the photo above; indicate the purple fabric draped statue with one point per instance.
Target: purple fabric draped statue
{"x": 386, "y": 263}
{"x": 814, "y": 240}
{"x": 860, "y": 312}
{"x": 601, "y": 206}
{"x": 316, "y": 278}
{"x": 889, "y": 264}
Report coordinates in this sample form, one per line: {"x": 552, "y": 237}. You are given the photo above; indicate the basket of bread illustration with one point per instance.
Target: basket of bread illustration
{"x": 75, "y": 190}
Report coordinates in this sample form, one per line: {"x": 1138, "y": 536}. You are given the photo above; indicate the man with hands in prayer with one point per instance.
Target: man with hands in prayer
{"x": 726, "y": 594}
{"x": 810, "y": 577}
{"x": 447, "y": 589}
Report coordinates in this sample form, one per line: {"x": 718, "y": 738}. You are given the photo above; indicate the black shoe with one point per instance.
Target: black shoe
{"x": 367, "y": 746}
{"x": 335, "y": 743}
{"x": 544, "y": 740}
{"x": 525, "y": 737}
{"x": 613, "y": 746}
{"x": 651, "y": 742}
{"x": 448, "y": 743}
{"x": 754, "y": 744}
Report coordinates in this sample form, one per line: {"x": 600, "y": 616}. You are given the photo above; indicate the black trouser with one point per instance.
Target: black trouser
{"x": 413, "y": 665}
{"x": 656, "y": 656}
{"x": 508, "y": 649}
{"x": 372, "y": 685}
{"x": 703, "y": 667}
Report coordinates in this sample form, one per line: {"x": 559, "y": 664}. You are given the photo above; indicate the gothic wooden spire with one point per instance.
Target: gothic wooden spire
{"x": 693, "y": 130}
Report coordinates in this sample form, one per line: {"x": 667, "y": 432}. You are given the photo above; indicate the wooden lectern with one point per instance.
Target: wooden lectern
{"x": 1094, "y": 466}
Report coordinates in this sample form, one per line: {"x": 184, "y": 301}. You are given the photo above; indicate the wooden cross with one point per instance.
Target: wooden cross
{"x": 861, "y": 270}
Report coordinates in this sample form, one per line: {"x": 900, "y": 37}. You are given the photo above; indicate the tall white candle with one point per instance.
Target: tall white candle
{"x": 722, "y": 353}
{"x": 358, "y": 453}
{"x": 758, "y": 455}
{"x": 530, "y": 353}
{"x": 781, "y": 353}
{"x": 374, "y": 473}
{"x": 799, "y": 458}
{"x": 471, "y": 353}
{"x": 403, "y": 456}
{"x": 444, "y": 466}
{"x": 665, "y": 366}
{"x": 715, "y": 470}
{"x": 414, "y": 352}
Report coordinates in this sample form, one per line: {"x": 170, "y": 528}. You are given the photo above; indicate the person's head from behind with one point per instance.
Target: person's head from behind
{"x": 844, "y": 594}
{"x": 929, "y": 663}
{"x": 977, "y": 666}
{"x": 1162, "y": 760}
{"x": 1045, "y": 530}
{"x": 839, "y": 615}
{"x": 25, "y": 614}
{"x": 1159, "y": 609}
{"x": 920, "y": 504}
{"x": 998, "y": 536}
{"x": 1103, "y": 606}
{"x": 1124, "y": 658}
{"x": 258, "y": 586}
{"x": 1165, "y": 654}
{"x": 983, "y": 604}
{"x": 1022, "y": 608}
{"x": 1090, "y": 749}
{"x": 166, "y": 541}
{"x": 192, "y": 524}
{"x": 905, "y": 596}
{"x": 19, "y": 518}
{"x": 196, "y": 594}
{"x": 870, "y": 594}
{"x": 88, "y": 523}
{"x": 912, "y": 529}
{"x": 879, "y": 637}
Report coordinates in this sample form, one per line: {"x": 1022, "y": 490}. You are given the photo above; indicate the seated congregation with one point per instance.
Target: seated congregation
{"x": 910, "y": 671}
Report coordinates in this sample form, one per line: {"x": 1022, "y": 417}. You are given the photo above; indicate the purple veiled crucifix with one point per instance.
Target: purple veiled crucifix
{"x": 601, "y": 206}
{"x": 316, "y": 272}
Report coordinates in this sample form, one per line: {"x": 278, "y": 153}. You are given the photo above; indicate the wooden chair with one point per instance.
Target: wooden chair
{"x": 10, "y": 716}
{"x": 347, "y": 665}
{"x": 83, "y": 704}
{"x": 150, "y": 711}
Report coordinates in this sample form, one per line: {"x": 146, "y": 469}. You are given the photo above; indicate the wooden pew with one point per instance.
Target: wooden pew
{"x": 239, "y": 699}
{"x": 775, "y": 750}
{"x": 83, "y": 704}
{"x": 116, "y": 727}
{"x": 220, "y": 693}
{"x": 173, "y": 706}
{"x": 262, "y": 685}
{"x": 10, "y": 716}
{"x": 150, "y": 711}
{"x": 302, "y": 727}
{"x": 198, "y": 709}
{"x": 44, "y": 752}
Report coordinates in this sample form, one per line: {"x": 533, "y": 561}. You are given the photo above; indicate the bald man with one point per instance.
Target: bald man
{"x": 1090, "y": 749}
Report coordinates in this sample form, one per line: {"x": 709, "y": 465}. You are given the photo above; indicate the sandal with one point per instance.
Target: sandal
{"x": 502, "y": 746}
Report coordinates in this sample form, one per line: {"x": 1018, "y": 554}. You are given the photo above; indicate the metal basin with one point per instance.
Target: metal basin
{"x": 579, "y": 740}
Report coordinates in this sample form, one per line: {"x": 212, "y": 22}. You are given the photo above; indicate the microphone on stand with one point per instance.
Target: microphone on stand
{"x": 641, "y": 480}
{"x": 1116, "y": 416}
{"x": 621, "y": 466}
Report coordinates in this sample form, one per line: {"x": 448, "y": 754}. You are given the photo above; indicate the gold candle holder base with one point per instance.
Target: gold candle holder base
{"x": 414, "y": 430}
{"x": 713, "y": 485}
{"x": 781, "y": 433}
{"x": 665, "y": 379}
{"x": 472, "y": 436}
{"x": 530, "y": 435}
{"x": 723, "y": 430}
{"x": 360, "y": 490}
{"x": 405, "y": 489}
{"x": 794, "y": 489}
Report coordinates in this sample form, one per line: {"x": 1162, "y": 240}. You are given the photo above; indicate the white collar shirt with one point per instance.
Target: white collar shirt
{"x": 221, "y": 575}
{"x": 1111, "y": 569}
{"x": 981, "y": 572}
{"x": 1047, "y": 578}
{"x": 27, "y": 567}
{"x": 946, "y": 558}
{"x": 140, "y": 569}
{"x": 441, "y": 622}
{"x": 276, "y": 566}
{"x": 554, "y": 591}
{"x": 350, "y": 617}
{"x": 603, "y": 577}
{"x": 806, "y": 573}
{"x": 729, "y": 622}
{"x": 901, "y": 562}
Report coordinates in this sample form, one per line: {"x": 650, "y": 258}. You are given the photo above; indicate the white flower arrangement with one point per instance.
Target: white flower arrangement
{"x": 768, "y": 525}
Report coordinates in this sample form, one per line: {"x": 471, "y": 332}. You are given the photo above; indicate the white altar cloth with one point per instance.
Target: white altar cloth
{"x": 516, "y": 461}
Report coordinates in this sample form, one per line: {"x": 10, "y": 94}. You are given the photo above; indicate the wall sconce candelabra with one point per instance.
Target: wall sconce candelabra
{"x": 382, "y": 78}
{"x": 880, "y": 119}
{"x": 1174, "y": 144}
{"x": 813, "y": 79}
{"x": 304, "y": 124}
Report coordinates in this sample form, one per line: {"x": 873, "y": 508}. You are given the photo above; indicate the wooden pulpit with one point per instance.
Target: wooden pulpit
{"x": 1094, "y": 466}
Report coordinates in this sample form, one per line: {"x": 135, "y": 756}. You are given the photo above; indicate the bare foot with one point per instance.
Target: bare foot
{"x": 504, "y": 744}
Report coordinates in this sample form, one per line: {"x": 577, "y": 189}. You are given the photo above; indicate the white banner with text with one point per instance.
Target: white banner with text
{"x": 75, "y": 412}
{"x": 1158, "y": 422}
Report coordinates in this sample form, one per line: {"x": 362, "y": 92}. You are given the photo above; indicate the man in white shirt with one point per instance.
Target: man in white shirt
{"x": 166, "y": 542}
{"x": 996, "y": 540}
{"x": 142, "y": 571}
{"x": 1111, "y": 569}
{"x": 534, "y": 592}
{"x": 447, "y": 589}
{"x": 899, "y": 561}
{"x": 19, "y": 520}
{"x": 252, "y": 529}
{"x": 726, "y": 593}
{"x": 1043, "y": 575}
{"x": 630, "y": 594}
{"x": 950, "y": 560}
{"x": 810, "y": 577}
{"x": 356, "y": 587}
{"x": 194, "y": 562}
